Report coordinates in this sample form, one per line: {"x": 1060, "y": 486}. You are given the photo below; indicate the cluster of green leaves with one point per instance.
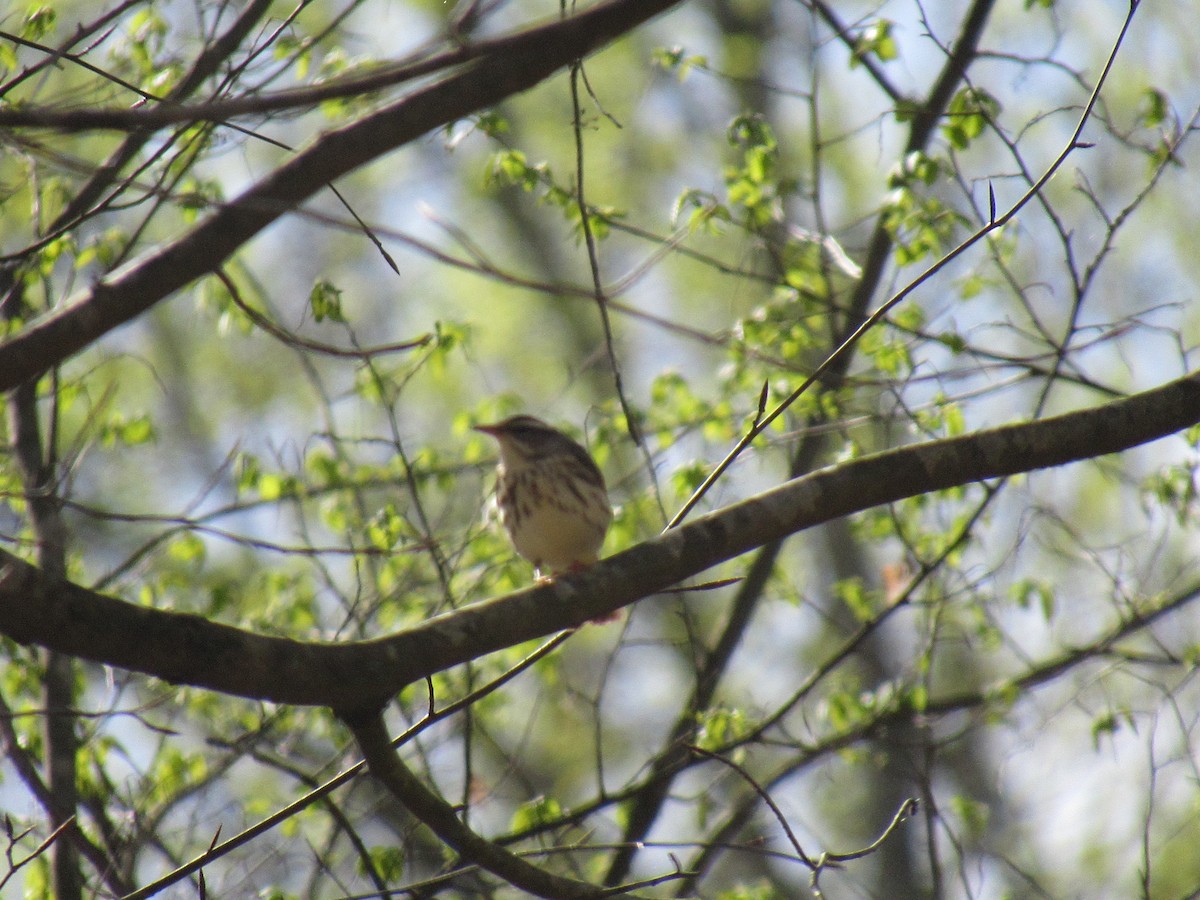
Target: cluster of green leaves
{"x": 754, "y": 183}
{"x": 1173, "y": 487}
{"x": 511, "y": 167}
{"x": 971, "y": 112}
{"x": 922, "y": 225}
{"x": 878, "y": 39}
{"x": 678, "y": 60}
{"x": 146, "y": 56}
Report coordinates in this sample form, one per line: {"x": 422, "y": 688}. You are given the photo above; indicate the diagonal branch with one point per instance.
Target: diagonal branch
{"x": 206, "y": 64}
{"x": 363, "y": 675}
{"x": 387, "y": 767}
{"x": 529, "y": 57}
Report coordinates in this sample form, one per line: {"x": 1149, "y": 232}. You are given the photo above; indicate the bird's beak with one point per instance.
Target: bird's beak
{"x": 486, "y": 429}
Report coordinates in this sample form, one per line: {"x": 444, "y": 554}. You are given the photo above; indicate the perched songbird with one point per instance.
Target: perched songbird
{"x": 551, "y": 495}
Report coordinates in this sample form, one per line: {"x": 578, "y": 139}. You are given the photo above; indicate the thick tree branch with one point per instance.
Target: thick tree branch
{"x": 387, "y": 767}
{"x": 205, "y": 66}
{"x": 173, "y": 112}
{"x": 363, "y": 675}
{"x": 529, "y": 58}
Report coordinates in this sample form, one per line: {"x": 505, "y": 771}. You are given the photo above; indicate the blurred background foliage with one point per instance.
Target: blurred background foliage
{"x": 740, "y": 159}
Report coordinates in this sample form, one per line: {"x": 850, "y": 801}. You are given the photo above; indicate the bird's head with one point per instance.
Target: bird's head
{"x": 525, "y": 439}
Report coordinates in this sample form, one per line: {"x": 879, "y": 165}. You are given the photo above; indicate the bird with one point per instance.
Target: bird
{"x": 551, "y": 496}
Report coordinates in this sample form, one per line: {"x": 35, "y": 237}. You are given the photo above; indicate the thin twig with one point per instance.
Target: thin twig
{"x": 766, "y": 798}
{"x": 294, "y": 340}
{"x": 589, "y": 238}
{"x": 871, "y": 321}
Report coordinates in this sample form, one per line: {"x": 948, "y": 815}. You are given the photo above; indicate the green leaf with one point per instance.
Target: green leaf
{"x": 875, "y": 40}
{"x": 853, "y": 593}
{"x": 1029, "y": 591}
{"x": 129, "y": 432}
{"x": 1174, "y": 487}
{"x": 388, "y": 861}
{"x": 677, "y": 61}
{"x": 704, "y": 211}
{"x": 187, "y": 548}
{"x": 325, "y": 300}
{"x": 973, "y": 813}
{"x": 538, "y": 811}
{"x": 248, "y": 470}
{"x": 491, "y": 123}
{"x": 968, "y": 114}
{"x": 720, "y": 726}
{"x": 916, "y": 167}
{"x": 386, "y": 528}
{"x": 273, "y": 486}
{"x": 38, "y": 23}
{"x": 510, "y": 167}
{"x": 1154, "y": 108}
{"x": 918, "y": 697}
